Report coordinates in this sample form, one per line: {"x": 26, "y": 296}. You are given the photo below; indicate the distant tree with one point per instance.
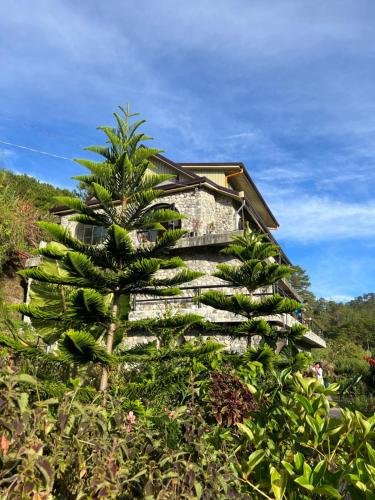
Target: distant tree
{"x": 40, "y": 194}
{"x": 354, "y": 321}
{"x": 301, "y": 283}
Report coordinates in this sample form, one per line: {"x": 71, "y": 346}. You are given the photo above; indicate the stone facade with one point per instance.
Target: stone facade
{"x": 233, "y": 345}
{"x": 225, "y": 215}
{"x": 197, "y": 259}
{"x": 209, "y": 215}
{"x": 205, "y": 212}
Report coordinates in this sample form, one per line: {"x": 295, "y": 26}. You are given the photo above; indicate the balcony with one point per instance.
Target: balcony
{"x": 145, "y": 307}
{"x": 212, "y": 239}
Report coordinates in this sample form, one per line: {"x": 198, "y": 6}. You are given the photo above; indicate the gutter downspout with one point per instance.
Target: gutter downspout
{"x": 242, "y": 195}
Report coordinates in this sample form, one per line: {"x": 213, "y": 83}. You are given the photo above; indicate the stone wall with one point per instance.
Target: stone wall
{"x": 203, "y": 260}
{"x": 205, "y": 211}
{"x": 225, "y": 214}
{"x": 196, "y": 205}
{"x": 195, "y": 259}
{"x": 233, "y": 345}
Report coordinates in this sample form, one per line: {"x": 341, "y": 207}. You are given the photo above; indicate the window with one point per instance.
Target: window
{"x": 152, "y": 234}
{"x": 90, "y": 234}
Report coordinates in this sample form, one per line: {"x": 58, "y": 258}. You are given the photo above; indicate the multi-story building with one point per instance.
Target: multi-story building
{"x": 217, "y": 200}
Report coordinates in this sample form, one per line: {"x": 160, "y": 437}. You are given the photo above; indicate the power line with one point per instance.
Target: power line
{"x": 35, "y": 150}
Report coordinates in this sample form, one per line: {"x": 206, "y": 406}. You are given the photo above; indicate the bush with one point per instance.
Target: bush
{"x": 230, "y": 400}
{"x": 97, "y": 450}
{"x": 364, "y": 404}
{"x": 293, "y": 448}
{"x": 290, "y": 448}
{"x": 344, "y": 363}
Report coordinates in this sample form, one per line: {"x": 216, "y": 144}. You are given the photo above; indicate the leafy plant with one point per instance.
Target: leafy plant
{"x": 68, "y": 449}
{"x": 230, "y": 400}
{"x": 293, "y": 449}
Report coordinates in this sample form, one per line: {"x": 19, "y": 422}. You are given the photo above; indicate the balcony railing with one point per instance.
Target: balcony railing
{"x": 194, "y": 292}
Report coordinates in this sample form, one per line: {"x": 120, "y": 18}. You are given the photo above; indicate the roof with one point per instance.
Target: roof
{"x": 176, "y": 166}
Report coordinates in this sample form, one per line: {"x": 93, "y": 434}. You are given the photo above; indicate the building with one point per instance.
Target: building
{"x": 217, "y": 200}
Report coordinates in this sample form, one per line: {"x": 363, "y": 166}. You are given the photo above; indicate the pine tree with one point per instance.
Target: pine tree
{"x": 301, "y": 283}
{"x": 255, "y": 267}
{"x": 87, "y": 287}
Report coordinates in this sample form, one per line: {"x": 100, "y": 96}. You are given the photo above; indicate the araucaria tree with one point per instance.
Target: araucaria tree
{"x": 90, "y": 284}
{"x": 254, "y": 268}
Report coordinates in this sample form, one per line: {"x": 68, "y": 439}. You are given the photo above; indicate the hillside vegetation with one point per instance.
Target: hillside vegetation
{"x": 40, "y": 194}
{"x": 353, "y": 321}
{"x": 23, "y": 201}
{"x": 349, "y": 330}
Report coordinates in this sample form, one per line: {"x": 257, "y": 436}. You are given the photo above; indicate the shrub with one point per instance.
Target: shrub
{"x": 231, "y": 401}
{"x": 75, "y": 450}
{"x": 289, "y": 448}
{"x": 293, "y": 448}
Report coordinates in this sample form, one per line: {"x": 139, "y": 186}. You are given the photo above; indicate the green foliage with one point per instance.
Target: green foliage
{"x": 288, "y": 447}
{"x": 354, "y": 321}
{"x": 260, "y": 354}
{"x": 300, "y": 281}
{"x": 344, "y": 362}
{"x": 90, "y": 284}
{"x": 40, "y": 194}
{"x": 68, "y": 449}
{"x": 290, "y": 357}
{"x": 350, "y": 331}
{"x": 292, "y": 449}
{"x": 18, "y": 233}
{"x": 81, "y": 348}
{"x": 23, "y": 201}
{"x": 255, "y": 268}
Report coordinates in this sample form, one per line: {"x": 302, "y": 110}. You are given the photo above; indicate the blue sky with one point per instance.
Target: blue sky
{"x": 286, "y": 86}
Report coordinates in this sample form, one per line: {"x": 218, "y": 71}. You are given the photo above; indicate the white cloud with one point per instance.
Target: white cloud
{"x": 311, "y": 218}
{"x": 340, "y": 298}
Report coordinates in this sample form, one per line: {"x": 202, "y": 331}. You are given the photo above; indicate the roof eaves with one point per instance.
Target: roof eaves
{"x": 212, "y": 164}
{"x": 247, "y": 175}
{"x": 178, "y": 166}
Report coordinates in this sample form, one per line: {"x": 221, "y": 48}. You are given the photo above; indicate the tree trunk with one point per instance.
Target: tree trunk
{"x": 110, "y": 333}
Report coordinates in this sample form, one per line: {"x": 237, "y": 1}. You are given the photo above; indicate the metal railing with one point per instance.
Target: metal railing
{"x": 194, "y": 293}
{"x": 315, "y": 327}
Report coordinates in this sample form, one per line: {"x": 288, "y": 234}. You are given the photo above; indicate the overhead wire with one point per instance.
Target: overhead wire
{"x": 35, "y": 150}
